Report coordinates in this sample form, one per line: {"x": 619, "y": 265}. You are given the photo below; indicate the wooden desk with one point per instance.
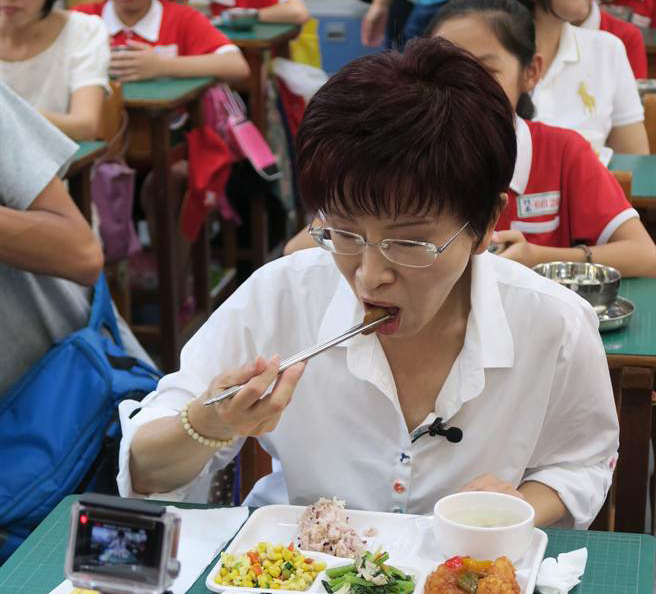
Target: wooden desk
{"x": 617, "y": 563}
{"x": 155, "y": 102}
{"x": 643, "y": 167}
{"x": 255, "y": 45}
{"x": 631, "y": 353}
{"x": 79, "y": 174}
{"x": 649, "y": 37}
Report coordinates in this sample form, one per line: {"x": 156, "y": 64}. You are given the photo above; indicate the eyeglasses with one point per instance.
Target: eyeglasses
{"x": 404, "y": 252}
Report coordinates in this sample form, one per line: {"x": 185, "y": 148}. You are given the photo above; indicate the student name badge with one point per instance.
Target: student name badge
{"x": 538, "y": 205}
{"x": 167, "y": 51}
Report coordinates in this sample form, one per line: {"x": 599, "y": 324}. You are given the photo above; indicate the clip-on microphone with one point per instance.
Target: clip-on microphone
{"x": 452, "y": 434}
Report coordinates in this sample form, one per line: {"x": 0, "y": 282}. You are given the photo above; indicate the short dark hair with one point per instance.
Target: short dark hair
{"x": 429, "y": 130}
{"x": 510, "y": 21}
{"x": 47, "y": 8}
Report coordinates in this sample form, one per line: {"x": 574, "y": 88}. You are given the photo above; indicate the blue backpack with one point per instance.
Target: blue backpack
{"x": 59, "y": 429}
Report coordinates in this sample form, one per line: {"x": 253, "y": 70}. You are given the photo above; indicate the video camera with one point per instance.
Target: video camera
{"x": 122, "y": 546}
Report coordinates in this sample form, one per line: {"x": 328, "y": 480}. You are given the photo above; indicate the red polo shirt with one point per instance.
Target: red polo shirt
{"x": 631, "y": 38}
{"x": 182, "y": 30}
{"x": 561, "y": 194}
{"x": 644, "y": 11}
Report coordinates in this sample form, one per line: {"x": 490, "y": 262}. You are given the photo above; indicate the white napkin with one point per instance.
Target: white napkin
{"x": 204, "y": 533}
{"x": 559, "y": 577}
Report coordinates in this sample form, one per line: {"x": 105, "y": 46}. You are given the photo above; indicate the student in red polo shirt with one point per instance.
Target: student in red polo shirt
{"x": 268, "y": 11}
{"x": 563, "y": 204}
{"x": 629, "y": 34}
{"x": 165, "y": 39}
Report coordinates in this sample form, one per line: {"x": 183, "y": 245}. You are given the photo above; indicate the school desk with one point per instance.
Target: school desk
{"x": 151, "y": 106}
{"x": 79, "y": 174}
{"x": 617, "y": 563}
{"x": 643, "y": 187}
{"x": 631, "y": 353}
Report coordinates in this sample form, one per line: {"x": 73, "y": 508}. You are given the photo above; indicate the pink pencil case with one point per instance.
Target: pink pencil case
{"x": 254, "y": 148}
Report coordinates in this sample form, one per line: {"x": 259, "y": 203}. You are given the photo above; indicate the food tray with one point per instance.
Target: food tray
{"x": 617, "y": 315}
{"x": 408, "y": 539}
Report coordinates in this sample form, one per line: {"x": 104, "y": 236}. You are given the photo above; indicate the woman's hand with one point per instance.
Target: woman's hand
{"x": 140, "y": 62}
{"x": 489, "y": 482}
{"x": 516, "y": 247}
{"x": 247, "y": 413}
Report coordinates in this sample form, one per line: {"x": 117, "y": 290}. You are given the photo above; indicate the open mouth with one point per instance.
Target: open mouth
{"x": 392, "y": 325}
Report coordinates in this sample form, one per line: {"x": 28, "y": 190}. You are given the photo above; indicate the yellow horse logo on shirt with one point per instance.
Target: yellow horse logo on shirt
{"x": 589, "y": 102}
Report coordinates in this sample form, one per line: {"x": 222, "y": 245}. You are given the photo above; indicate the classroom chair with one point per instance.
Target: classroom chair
{"x": 113, "y": 130}
{"x": 625, "y": 179}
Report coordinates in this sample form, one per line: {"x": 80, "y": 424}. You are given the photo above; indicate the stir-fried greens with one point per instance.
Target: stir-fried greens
{"x": 368, "y": 574}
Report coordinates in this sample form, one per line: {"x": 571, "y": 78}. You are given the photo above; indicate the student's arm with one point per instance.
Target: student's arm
{"x": 292, "y": 11}
{"x": 630, "y": 250}
{"x": 50, "y": 237}
{"x": 141, "y": 62}
{"x": 548, "y": 506}
{"x": 627, "y": 134}
{"x": 300, "y": 241}
{"x": 372, "y": 31}
{"x": 630, "y": 139}
{"x": 82, "y": 121}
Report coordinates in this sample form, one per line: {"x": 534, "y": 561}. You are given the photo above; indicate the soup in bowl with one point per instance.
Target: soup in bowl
{"x": 483, "y": 525}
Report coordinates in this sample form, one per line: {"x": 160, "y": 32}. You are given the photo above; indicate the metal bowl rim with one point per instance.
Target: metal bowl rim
{"x": 612, "y": 269}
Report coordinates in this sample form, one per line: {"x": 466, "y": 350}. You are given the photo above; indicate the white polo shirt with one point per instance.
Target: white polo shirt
{"x": 589, "y": 86}
{"x": 530, "y": 390}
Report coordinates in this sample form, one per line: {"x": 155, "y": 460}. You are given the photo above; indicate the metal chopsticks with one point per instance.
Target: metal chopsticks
{"x": 307, "y": 354}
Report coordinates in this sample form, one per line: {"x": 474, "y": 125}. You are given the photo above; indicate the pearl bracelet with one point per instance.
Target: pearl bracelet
{"x": 191, "y": 432}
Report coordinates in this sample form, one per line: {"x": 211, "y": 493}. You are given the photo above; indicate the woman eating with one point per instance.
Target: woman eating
{"x": 563, "y": 203}
{"x": 409, "y": 187}
{"x": 587, "y": 83}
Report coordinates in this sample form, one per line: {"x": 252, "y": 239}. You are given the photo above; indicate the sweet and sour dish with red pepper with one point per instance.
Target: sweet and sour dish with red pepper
{"x": 465, "y": 575}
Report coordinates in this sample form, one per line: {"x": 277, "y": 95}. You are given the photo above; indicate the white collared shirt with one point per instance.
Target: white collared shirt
{"x": 589, "y": 86}
{"x": 594, "y": 18}
{"x": 530, "y": 390}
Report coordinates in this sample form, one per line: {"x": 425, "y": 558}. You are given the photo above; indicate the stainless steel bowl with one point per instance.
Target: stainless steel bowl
{"x": 596, "y": 283}
{"x": 241, "y": 19}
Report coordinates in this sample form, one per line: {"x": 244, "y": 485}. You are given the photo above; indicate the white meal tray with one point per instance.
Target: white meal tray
{"x": 408, "y": 539}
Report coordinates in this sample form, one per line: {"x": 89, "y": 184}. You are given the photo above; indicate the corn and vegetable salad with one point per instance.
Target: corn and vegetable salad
{"x": 277, "y": 567}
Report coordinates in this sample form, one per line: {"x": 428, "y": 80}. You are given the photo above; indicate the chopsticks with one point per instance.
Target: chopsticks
{"x": 308, "y": 354}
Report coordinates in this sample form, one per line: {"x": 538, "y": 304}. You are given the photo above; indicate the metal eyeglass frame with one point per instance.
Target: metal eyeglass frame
{"x": 383, "y": 245}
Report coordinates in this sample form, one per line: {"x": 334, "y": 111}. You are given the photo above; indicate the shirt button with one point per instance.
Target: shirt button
{"x": 399, "y": 487}
{"x": 405, "y": 458}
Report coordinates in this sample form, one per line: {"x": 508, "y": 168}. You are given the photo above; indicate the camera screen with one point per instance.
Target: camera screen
{"x": 118, "y": 550}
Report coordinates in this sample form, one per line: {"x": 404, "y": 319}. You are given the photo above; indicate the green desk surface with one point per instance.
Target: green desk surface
{"x": 87, "y": 148}
{"x": 260, "y": 32}
{"x": 617, "y": 563}
{"x": 644, "y": 173}
{"x": 638, "y": 337}
{"x": 162, "y": 89}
